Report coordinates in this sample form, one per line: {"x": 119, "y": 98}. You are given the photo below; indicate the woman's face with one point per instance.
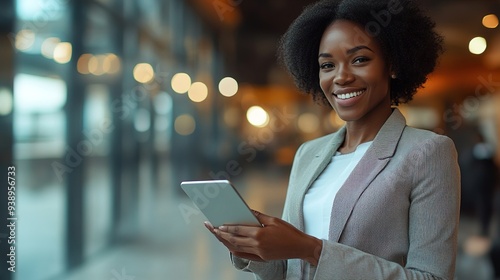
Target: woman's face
{"x": 353, "y": 73}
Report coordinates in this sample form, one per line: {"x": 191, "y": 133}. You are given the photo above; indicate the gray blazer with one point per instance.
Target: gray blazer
{"x": 395, "y": 217}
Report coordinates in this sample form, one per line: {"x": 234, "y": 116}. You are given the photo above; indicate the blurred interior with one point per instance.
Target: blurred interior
{"x": 107, "y": 105}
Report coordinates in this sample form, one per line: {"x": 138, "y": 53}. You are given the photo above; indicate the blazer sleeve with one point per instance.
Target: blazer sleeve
{"x": 433, "y": 224}
{"x": 270, "y": 270}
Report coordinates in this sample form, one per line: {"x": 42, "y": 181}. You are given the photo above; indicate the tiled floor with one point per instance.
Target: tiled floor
{"x": 168, "y": 246}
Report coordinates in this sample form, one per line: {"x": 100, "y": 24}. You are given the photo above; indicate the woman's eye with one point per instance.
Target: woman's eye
{"x": 326, "y": 65}
{"x": 360, "y": 59}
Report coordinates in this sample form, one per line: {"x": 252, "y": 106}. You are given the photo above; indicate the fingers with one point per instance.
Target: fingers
{"x": 234, "y": 243}
{"x": 209, "y": 227}
{"x": 256, "y": 213}
{"x": 213, "y": 231}
{"x": 239, "y": 242}
{"x": 248, "y": 231}
{"x": 263, "y": 218}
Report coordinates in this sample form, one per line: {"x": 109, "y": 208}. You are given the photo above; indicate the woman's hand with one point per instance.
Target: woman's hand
{"x": 231, "y": 248}
{"x": 277, "y": 240}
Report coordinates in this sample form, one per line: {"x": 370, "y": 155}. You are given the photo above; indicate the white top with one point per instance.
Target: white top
{"x": 319, "y": 198}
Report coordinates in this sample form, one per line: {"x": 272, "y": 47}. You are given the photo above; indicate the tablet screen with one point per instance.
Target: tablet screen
{"x": 220, "y": 202}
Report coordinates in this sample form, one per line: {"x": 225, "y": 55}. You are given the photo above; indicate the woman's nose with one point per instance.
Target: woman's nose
{"x": 343, "y": 75}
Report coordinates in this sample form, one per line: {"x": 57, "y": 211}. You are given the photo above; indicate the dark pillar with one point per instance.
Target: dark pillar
{"x": 8, "y": 172}
{"x": 117, "y": 136}
{"x": 74, "y": 116}
{"x": 130, "y": 149}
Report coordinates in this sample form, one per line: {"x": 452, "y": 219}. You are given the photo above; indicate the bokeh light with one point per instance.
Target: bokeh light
{"x": 82, "y": 65}
{"x": 308, "y": 123}
{"x": 490, "y": 21}
{"x": 228, "y": 86}
{"x": 257, "y": 116}
{"x": 49, "y": 46}
{"x": 62, "y": 52}
{"x": 184, "y": 124}
{"x": 95, "y": 65}
{"x": 111, "y": 63}
{"x": 477, "y": 45}
{"x": 142, "y": 120}
{"x": 25, "y": 39}
{"x": 198, "y": 92}
{"x": 6, "y": 101}
{"x": 144, "y": 73}
{"x": 335, "y": 120}
{"x": 181, "y": 82}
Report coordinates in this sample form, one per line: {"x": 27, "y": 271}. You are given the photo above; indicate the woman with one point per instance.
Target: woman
{"x": 376, "y": 199}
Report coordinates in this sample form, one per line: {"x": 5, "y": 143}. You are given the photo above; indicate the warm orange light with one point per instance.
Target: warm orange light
{"x": 95, "y": 65}
{"x": 198, "y": 92}
{"x": 308, "y": 123}
{"x": 25, "y": 39}
{"x": 184, "y": 124}
{"x": 83, "y": 63}
{"x": 181, "y": 82}
{"x": 111, "y": 63}
{"x": 257, "y": 116}
{"x": 144, "y": 73}
{"x": 490, "y": 21}
{"x": 62, "y": 52}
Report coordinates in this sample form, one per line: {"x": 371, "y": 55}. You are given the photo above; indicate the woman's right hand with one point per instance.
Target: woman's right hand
{"x": 232, "y": 248}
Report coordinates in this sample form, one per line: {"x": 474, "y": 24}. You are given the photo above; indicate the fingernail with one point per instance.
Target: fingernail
{"x": 223, "y": 228}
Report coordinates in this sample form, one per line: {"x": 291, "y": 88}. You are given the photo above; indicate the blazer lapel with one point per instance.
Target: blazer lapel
{"x": 319, "y": 159}
{"x": 370, "y": 165}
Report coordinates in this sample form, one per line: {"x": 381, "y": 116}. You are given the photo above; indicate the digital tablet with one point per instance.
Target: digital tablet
{"x": 220, "y": 202}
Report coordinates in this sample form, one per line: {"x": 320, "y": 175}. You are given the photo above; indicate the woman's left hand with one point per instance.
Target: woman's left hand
{"x": 277, "y": 240}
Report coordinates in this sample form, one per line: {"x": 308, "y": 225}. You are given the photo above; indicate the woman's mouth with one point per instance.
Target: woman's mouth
{"x": 349, "y": 94}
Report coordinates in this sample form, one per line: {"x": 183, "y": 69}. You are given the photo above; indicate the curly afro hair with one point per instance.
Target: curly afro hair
{"x": 407, "y": 37}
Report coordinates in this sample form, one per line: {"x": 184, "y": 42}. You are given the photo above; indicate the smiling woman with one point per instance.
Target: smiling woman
{"x": 354, "y": 78}
{"x": 401, "y": 29}
{"x": 377, "y": 199}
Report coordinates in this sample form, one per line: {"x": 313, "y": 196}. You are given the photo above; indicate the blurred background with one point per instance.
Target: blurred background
{"x": 106, "y": 105}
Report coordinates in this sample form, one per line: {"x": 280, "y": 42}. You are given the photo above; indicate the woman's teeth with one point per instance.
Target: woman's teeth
{"x": 350, "y": 95}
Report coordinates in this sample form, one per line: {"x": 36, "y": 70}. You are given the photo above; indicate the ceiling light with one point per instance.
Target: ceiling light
{"x": 181, "y": 82}
{"x": 477, "y": 45}
{"x": 144, "y": 73}
{"x": 228, "y": 86}
{"x": 490, "y": 21}
{"x": 257, "y": 116}
{"x": 198, "y": 92}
